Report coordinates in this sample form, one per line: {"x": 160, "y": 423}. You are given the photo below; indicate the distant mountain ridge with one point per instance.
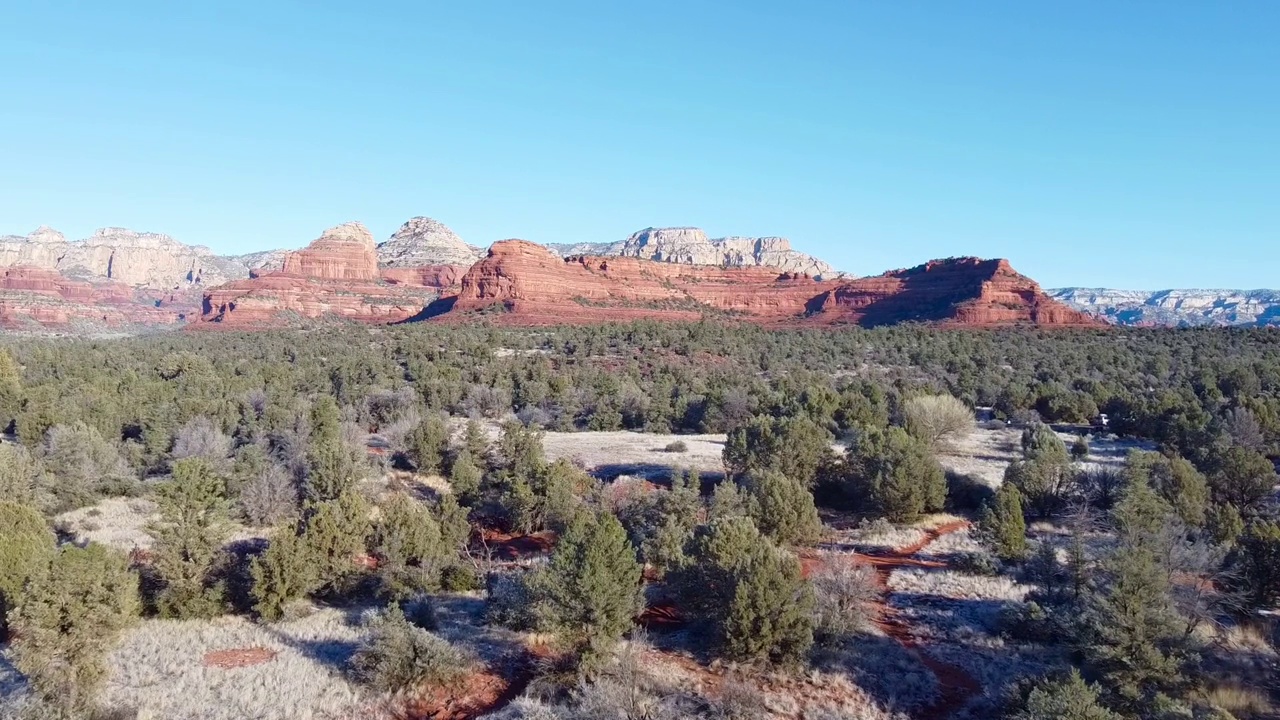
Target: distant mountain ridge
{"x": 1176, "y": 308}
{"x": 691, "y": 246}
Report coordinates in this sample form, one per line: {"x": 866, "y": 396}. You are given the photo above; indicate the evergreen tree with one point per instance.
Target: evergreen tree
{"x": 770, "y": 615}
{"x": 465, "y": 478}
{"x": 1136, "y": 647}
{"x": 1003, "y": 525}
{"x": 67, "y": 621}
{"x": 334, "y": 533}
{"x": 476, "y": 443}
{"x": 796, "y": 446}
{"x": 1080, "y": 449}
{"x": 1175, "y": 480}
{"x": 783, "y": 508}
{"x": 1245, "y": 479}
{"x": 22, "y": 476}
{"x": 1256, "y": 564}
{"x": 10, "y": 390}
{"x": 408, "y": 544}
{"x": 428, "y": 444}
{"x": 1067, "y": 698}
{"x": 285, "y": 572}
{"x": 26, "y": 547}
{"x": 592, "y": 585}
{"x": 897, "y": 472}
{"x": 189, "y": 535}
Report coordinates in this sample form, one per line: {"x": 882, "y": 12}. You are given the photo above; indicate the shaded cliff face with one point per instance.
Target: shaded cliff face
{"x": 523, "y": 283}
{"x": 36, "y": 297}
{"x": 958, "y": 291}
{"x": 337, "y": 275}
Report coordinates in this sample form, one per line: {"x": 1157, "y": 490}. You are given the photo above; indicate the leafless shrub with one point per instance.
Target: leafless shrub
{"x": 201, "y": 438}
{"x": 740, "y": 700}
{"x": 387, "y": 407}
{"x": 270, "y": 497}
{"x": 22, "y": 476}
{"x": 843, "y": 592}
{"x": 937, "y": 419}
{"x": 485, "y": 401}
{"x": 84, "y": 465}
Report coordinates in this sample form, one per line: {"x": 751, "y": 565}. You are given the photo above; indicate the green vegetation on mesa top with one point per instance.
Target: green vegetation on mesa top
{"x": 272, "y": 430}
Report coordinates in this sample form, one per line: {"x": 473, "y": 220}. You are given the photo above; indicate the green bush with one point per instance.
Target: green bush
{"x": 189, "y": 535}
{"x": 783, "y": 508}
{"x": 283, "y": 574}
{"x": 591, "y": 587}
{"x": 1002, "y": 525}
{"x": 26, "y": 547}
{"x": 397, "y": 656}
{"x": 1062, "y": 698}
{"x": 68, "y": 619}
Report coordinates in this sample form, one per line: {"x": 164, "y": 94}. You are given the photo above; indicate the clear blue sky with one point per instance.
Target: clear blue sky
{"x": 1127, "y": 144}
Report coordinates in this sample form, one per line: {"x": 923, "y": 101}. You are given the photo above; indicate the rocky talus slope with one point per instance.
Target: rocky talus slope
{"x": 1176, "y": 308}
{"x": 691, "y": 246}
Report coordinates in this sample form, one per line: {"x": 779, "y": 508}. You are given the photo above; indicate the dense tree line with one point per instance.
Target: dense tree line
{"x": 272, "y": 430}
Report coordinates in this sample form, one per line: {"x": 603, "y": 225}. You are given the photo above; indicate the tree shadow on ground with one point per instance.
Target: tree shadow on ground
{"x": 653, "y": 472}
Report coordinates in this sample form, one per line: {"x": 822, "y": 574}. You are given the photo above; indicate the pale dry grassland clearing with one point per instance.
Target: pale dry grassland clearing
{"x": 984, "y": 453}
{"x": 615, "y": 453}
{"x": 870, "y": 537}
{"x": 121, "y": 523}
{"x": 115, "y": 522}
{"x": 159, "y": 669}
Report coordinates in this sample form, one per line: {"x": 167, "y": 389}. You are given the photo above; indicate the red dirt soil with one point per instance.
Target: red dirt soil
{"x": 955, "y": 685}
{"x": 238, "y": 658}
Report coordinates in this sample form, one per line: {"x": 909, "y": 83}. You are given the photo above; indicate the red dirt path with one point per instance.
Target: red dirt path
{"x": 955, "y": 685}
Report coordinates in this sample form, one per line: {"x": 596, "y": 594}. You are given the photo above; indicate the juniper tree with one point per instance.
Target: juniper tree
{"x": 188, "y": 540}
{"x": 1256, "y": 564}
{"x": 464, "y": 478}
{"x": 591, "y": 586}
{"x": 407, "y": 542}
{"x": 794, "y": 445}
{"x": 22, "y": 477}
{"x": 1135, "y": 644}
{"x": 783, "y": 508}
{"x": 896, "y": 472}
{"x": 334, "y": 532}
{"x": 428, "y": 443}
{"x": 1066, "y": 698}
{"x": 68, "y": 618}
{"x": 1245, "y": 478}
{"x": 285, "y": 572}
{"x": 770, "y": 616}
{"x": 26, "y": 547}
{"x": 1175, "y": 480}
{"x": 1003, "y": 525}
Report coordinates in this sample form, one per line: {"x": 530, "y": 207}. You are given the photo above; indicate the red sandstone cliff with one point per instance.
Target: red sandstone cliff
{"x": 336, "y": 275}
{"x": 958, "y": 291}
{"x": 40, "y": 297}
{"x": 533, "y": 286}
{"x": 529, "y": 285}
